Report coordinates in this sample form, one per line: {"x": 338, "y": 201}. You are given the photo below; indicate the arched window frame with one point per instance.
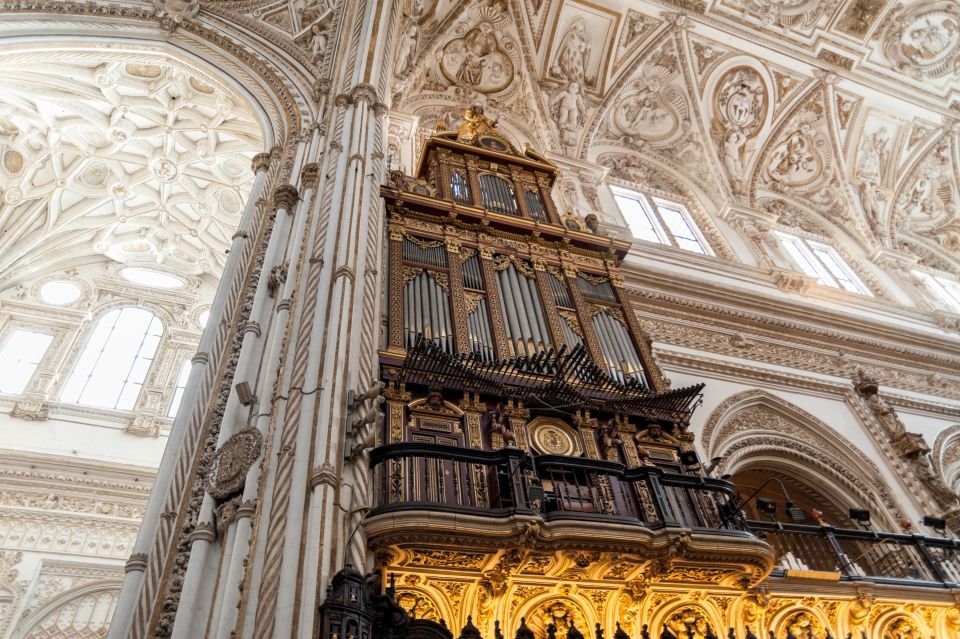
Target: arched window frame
{"x": 660, "y": 219}
{"x": 942, "y": 291}
{"x": 21, "y": 375}
{"x": 822, "y": 259}
{"x": 135, "y": 373}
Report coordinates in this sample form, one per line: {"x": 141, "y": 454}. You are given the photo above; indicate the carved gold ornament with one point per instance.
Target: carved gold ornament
{"x": 553, "y": 438}
{"x": 232, "y": 461}
{"x": 802, "y": 625}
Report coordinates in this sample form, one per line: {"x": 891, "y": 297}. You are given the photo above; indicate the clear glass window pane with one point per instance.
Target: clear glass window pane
{"x": 19, "y": 358}
{"x": 681, "y": 228}
{"x": 638, "y": 217}
{"x": 181, "y": 384}
{"x": 804, "y": 258}
{"x": 840, "y": 270}
{"x": 937, "y": 286}
{"x": 953, "y": 290}
{"x": 116, "y": 360}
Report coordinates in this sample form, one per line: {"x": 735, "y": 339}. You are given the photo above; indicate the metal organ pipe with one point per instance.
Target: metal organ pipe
{"x": 510, "y": 315}
{"x": 608, "y": 351}
{"x": 629, "y": 352}
{"x": 540, "y": 314}
{"x": 529, "y": 311}
{"x": 520, "y": 310}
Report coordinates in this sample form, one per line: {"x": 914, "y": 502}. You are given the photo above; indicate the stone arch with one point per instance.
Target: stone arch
{"x": 899, "y": 623}
{"x": 290, "y": 88}
{"x": 79, "y": 613}
{"x": 946, "y": 456}
{"x": 755, "y": 428}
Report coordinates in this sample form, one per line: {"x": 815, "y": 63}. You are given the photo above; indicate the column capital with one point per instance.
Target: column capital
{"x": 285, "y": 196}
{"x": 309, "y": 175}
{"x": 261, "y": 162}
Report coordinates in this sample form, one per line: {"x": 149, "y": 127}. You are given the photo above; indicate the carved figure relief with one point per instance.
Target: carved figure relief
{"x": 647, "y": 114}
{"x": 740, "y": 106}
{"x": 477, "y": 61}
{"x": 799, "y": 159}
{"x": 902, "y": 628}
{"x": 802, "y": 625}
{"x": 569, "y": 110}
{"x": 874, "y": 153}
{"x": 687, "y": 623}
{"x": 573, "y": 55}
{"x": 924, "y": 40}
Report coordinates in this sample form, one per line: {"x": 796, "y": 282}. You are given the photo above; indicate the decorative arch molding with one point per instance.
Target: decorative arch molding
{"x": 101, "y": 596}
{"x": 946, "y": 456}
{"x": 755, "y": 425}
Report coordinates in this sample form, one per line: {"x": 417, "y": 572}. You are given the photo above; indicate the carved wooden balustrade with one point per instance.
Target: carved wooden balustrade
{"x": 494, "y": 483}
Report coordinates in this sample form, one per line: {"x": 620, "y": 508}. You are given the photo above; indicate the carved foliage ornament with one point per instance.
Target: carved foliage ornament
{"x": 924, "y": 41}
{"x": 802, "y": 625}
{"x": 232, "y": 462}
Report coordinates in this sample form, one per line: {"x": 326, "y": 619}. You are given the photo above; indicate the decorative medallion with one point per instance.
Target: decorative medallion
{"x": 924, "y": 41}
{"x": 740, "y": 108}
{"x": 797, "y": 14}
{"x": 232, "y": 461}
{"x": 477, "y": 61}
{"x": 554, "y": 438}
{"x": 649, "y": 114}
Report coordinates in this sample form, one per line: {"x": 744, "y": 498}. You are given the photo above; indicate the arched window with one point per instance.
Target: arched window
{"x": 498, "y": 195}
{"x": 946, "y": 291}
{"x": 19, "y": 358}
{"x": 821, "y": 261}
{"x": 116, "y": 359}
{"x": 658, "y": 220}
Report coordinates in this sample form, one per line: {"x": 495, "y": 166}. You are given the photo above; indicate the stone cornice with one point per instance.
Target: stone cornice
{"x": 714, "y": 302}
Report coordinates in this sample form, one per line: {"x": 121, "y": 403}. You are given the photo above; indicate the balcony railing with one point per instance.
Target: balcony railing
{"x": 415, "y": 477}
{"x": 864, "y": 555}
{"x": 445, "y": 478}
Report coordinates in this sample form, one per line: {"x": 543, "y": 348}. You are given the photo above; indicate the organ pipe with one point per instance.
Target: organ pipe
{"x": 561, "y": 294}
{"x": 426, "y": 311}
{"x": 527, "y": 328}
{"x": 621, "y": 356}
{"x": 472, "y": 275}
{"x": 432, "y": 256}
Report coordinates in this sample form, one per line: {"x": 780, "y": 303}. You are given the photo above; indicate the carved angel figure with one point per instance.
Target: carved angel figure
{"x": 873, "y": 154}
{"x": 568, "y": 107}
{"x": 406, "y": 48}
{"x": 573, "y": 55}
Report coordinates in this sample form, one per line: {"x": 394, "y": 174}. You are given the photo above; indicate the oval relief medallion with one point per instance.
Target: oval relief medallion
{"x": 553, "y": 438}
{"x": 232, "y": 461}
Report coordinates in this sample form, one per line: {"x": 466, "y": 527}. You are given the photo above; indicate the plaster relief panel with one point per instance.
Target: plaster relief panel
{"x": 926, "y": 205}
{"x": 876, "y": 150}
{"x": 739, "y": 105}
{"x": 580, "y": 45}
{"x": 924, "y": 41}
{"x": 799, "y": 15}
{"x": 477, "y": 60}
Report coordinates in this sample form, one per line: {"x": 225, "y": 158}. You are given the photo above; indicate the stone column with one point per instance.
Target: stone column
{"x": 312, "y": 498}
{"x": 167, "y": 492}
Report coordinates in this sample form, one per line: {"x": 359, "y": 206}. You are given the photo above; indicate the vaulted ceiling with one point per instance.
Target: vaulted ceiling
{"x": 118, "y": 156}
{"x": 837, "y": 118}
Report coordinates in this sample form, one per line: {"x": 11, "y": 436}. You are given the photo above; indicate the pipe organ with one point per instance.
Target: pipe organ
{"x": 534, "y": 469}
